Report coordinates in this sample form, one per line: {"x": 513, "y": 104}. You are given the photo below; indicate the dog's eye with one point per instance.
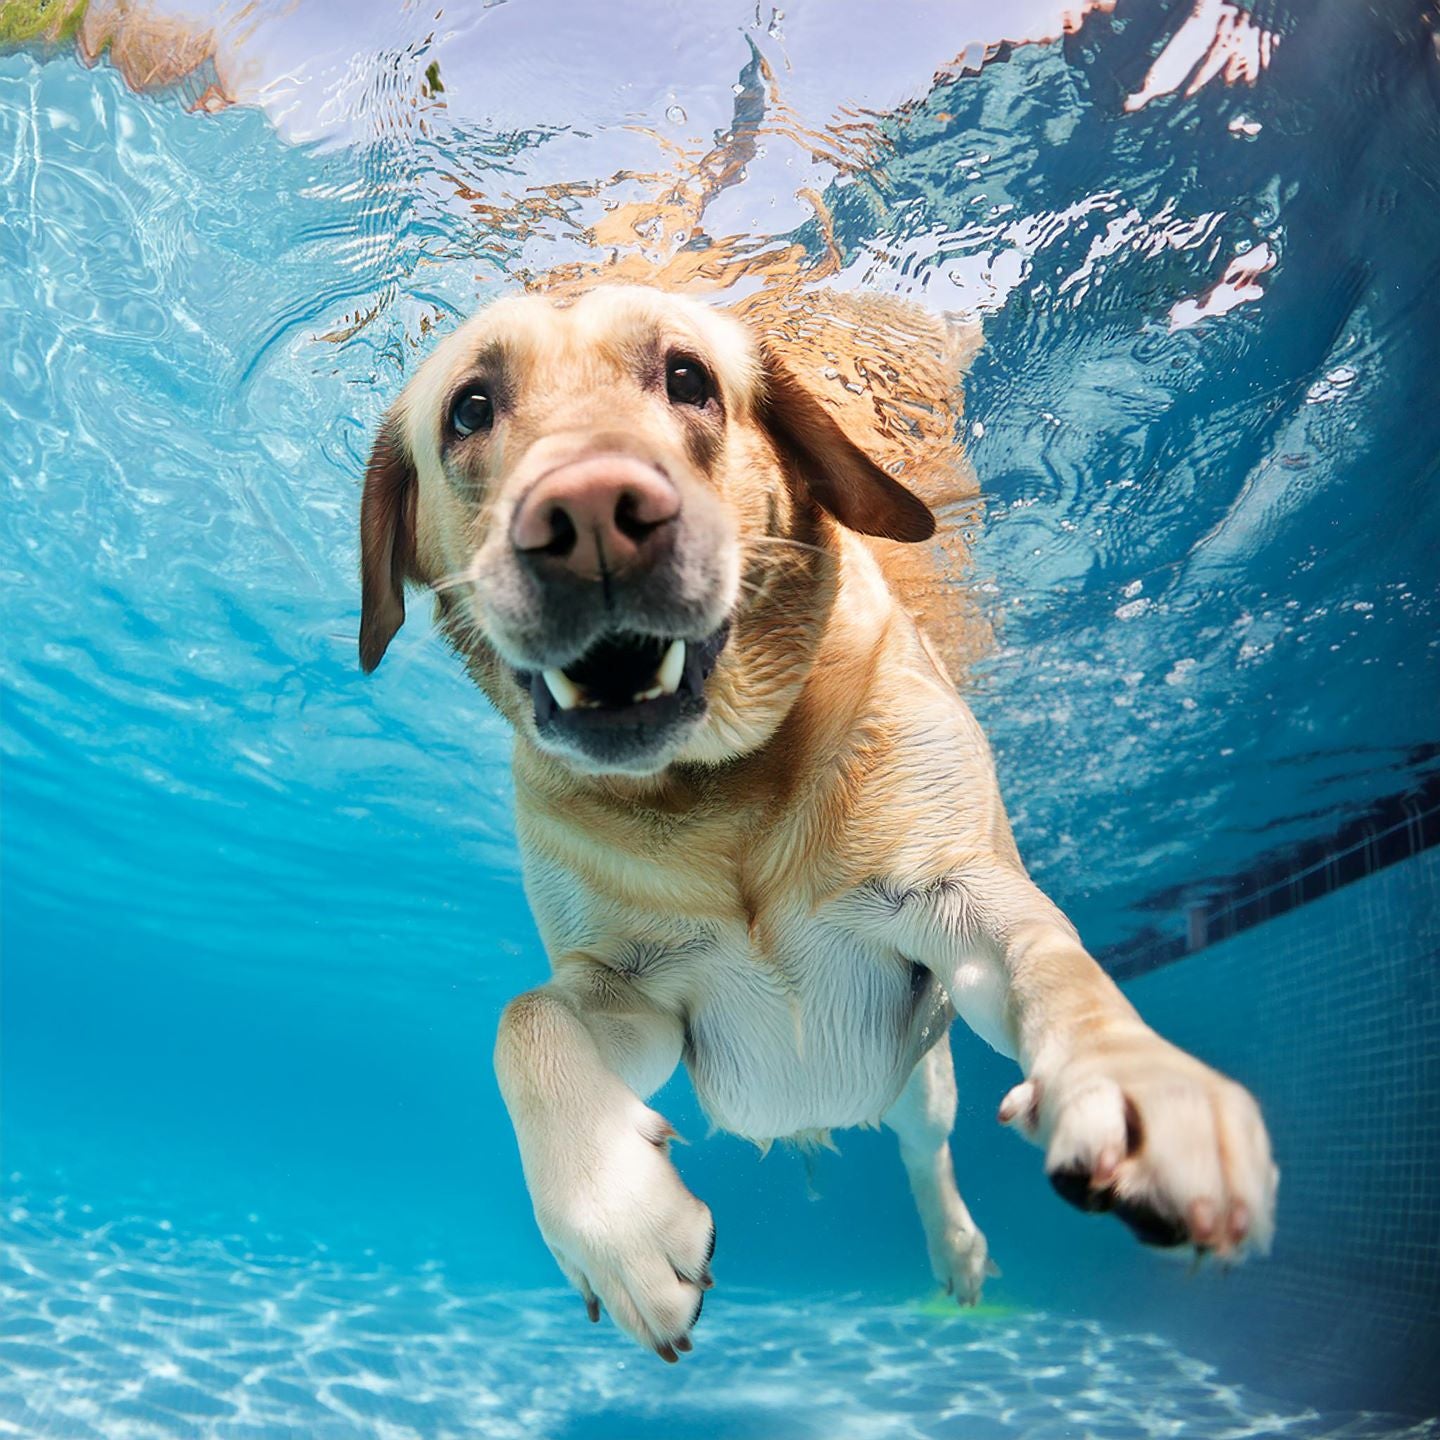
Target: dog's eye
{"x": 471, "y": 411}
{"x": 687, "y": 381}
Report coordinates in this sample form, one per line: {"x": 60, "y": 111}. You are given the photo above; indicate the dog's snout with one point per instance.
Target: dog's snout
{"x": 594, "y": 517}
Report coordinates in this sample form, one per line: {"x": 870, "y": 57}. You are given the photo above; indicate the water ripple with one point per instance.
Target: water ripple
{"x": 208, "y": 322}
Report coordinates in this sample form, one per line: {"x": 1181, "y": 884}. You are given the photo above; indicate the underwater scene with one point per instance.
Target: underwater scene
{"x": 261, "y": 912}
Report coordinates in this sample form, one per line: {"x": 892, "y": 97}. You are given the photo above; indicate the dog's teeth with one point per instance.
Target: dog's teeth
{"x": 653, "y": 693}
{"x": 566, "y": 692}
{"x": 667, "y": 677}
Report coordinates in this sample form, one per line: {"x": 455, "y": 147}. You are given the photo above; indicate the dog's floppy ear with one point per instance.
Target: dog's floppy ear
{"x": 387, "y": 541}
{"x": 841, "y": 477}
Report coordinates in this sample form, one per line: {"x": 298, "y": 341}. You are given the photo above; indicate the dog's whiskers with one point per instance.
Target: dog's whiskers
{"x": 453, "y": 581}
{"x": 784, "y": 540}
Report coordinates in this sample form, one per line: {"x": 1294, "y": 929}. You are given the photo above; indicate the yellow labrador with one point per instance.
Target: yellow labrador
{"x": 761, "y": 831}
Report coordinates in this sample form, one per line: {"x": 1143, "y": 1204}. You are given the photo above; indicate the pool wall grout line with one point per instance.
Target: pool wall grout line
{"x": 1391, "y": 830}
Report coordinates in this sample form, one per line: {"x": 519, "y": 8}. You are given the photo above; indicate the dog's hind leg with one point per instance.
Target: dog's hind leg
{"x": 923, "y": 1117}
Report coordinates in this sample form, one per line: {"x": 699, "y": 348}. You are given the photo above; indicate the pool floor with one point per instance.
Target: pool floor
{"x": 130, "y": 1328}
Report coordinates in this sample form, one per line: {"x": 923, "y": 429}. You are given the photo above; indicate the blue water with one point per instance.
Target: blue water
{"x": 231, "y": 1337}
{"x": 260, "y": 913}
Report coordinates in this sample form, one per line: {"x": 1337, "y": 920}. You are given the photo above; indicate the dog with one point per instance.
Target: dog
{"x": 761, "y": 831}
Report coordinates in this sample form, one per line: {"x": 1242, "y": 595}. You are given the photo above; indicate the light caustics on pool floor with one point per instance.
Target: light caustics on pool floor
{"x": 135, "y": 1329}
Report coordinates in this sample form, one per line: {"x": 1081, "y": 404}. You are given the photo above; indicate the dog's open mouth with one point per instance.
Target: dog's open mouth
{"x": 626, "y": 679}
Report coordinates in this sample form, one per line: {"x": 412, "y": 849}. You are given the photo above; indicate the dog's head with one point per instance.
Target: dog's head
{"x": 625, "y": 506}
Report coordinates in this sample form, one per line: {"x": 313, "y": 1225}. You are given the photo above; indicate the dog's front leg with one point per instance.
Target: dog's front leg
{"x": 622, "y": 1226}
{"x": 1129, "y": 1123}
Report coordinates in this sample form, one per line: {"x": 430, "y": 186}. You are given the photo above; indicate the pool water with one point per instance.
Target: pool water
{"x": 260, "y": 913}
{"x": 126, "y": 1327}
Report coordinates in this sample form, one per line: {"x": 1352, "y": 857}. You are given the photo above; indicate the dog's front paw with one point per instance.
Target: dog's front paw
{"x": 626, "y": 1232}
{"x": 1135, "y": 1126}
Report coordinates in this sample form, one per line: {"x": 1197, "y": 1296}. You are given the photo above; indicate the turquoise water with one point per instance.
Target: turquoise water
{"x": 260, "y": 913}
{"x": 136, "y": 1332}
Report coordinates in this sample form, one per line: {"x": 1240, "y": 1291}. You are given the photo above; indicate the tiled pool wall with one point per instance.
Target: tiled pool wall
{"x": 1331, "y": 1013}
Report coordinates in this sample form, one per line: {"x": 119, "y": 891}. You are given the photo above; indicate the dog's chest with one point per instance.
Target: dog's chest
{"x": 816, "y": 1031}
{"x": 794, "y": 1023}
